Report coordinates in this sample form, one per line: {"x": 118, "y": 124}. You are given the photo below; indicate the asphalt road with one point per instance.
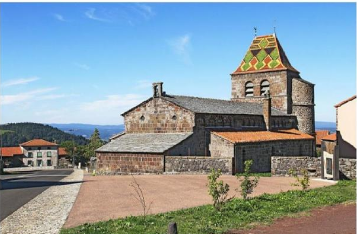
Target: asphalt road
{"x": 19, "y": 188}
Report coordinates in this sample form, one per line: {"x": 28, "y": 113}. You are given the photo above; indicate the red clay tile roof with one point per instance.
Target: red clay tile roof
{"x": 38, "y": 142}
{"x": 331, "y": 137}
{"x": 62, "y": 151}
{"x": 257, "y": 136}
{"x": 320, "y": 134}
{"x": 264, "y": 54}
{"x": 11, "y": 151}
{"x": 345, "y": 101}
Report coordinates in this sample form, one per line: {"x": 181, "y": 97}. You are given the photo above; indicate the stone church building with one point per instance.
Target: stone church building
{"x": 271, "y": 113}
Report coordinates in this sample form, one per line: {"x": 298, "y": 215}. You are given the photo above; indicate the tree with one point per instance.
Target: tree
{"x": 217, "y": 189}
{"x": 247, "y": 185}
{"x": 94, "y": 143}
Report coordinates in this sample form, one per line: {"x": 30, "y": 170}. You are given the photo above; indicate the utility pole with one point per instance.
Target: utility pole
{"x": 72, "y": 130}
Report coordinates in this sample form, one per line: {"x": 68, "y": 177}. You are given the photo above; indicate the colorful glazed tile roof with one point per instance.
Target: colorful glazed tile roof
{"x": 11, "y": 151}
{"x": 264, "y": 54}
{"x": 261, "y": 136}
{"x": 38, "y": 142}
{"x": 331, "y": 137}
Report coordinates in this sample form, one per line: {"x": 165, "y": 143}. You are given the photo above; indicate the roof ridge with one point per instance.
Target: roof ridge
{"x": 216, "y": 99}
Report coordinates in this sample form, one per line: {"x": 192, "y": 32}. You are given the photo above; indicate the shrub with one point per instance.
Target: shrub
{"x": 217, "y": 189}
{"x": 304, "y": 181}
{"x": 247, "y": 184}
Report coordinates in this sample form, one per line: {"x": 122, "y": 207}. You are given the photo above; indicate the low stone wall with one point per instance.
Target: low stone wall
{"x": 29, "y": 168}
{"x": 347, "y": 168}
{"x": 128, "y": 163}
{"x": 280, "y": 166}
{"x": 197, "y": 164}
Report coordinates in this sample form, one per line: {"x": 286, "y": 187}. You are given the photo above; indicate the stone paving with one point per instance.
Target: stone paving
{"x": 47, "y": 212}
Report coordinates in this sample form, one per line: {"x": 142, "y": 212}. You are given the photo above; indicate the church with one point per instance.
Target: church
{"x": 270, "y": 113}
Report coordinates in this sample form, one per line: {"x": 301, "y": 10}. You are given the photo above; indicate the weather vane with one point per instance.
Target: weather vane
{"x": 274, "y": 25}
{"x": 255, "y": 31}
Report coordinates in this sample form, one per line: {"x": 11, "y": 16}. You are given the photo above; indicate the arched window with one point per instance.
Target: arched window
{"x": 249, "y": 89}
{"x": 264, "y": 86}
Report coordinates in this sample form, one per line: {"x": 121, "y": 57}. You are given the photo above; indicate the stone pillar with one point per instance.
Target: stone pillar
{"x": 267, "y": 111}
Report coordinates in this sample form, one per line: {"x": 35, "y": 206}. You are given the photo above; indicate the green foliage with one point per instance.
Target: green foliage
{"x": 14, "y": 134}
{"x": 304, "y": 181}
{"x": 94, "y": 143}
{"x": 247, "y": 184}
{"x": 236, "y": 214}
{"x": 217, "y": 189}
{"x": 318, "y": 152}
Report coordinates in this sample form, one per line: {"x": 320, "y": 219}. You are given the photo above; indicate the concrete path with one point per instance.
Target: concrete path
{"x": 19, "y": 188}
{"x": 47, "y": 212}
{"x": 109, "y": 197}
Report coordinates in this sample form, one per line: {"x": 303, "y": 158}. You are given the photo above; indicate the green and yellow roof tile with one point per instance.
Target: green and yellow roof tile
{"x": 264, "y": 54}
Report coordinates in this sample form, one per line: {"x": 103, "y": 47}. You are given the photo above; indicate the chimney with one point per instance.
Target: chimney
{"x": 267, "y": 110}
{"x": 157, "y": 89}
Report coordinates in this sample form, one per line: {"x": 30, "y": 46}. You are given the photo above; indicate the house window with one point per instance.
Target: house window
{"x": 39, "y": 163}
{"x": 29, "y": 163}
{"x": 30, "y": 155}
{"x": 264, "y": 87}
{"x": 48, "y": 147}
{"x": 142, "y": 118}
{"x": 49, "y": 163}
{"x": 39, "y": 154}
{"x": 249, "y": 89}
{"x": 39, "y": 148}
{"x": 174, "y": 117}
{"x": 49, "y": 153}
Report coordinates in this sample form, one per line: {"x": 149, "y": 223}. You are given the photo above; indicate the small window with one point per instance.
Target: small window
{"x": 249, "y": 89}
{"x": 29, "y": 163}
{"x": 30, "y": 155}
{"x": 39, "y": 154}
{"x": 39, "y": 148}
{"x": 264, "y": 87}
{"x": 142, "y": 118}
{"x": 49, "y": 153}
{"x": 30, "y": 148}
{"x": 39, "y": 163}
{"x": 48, "y": 147}
{"x": 49, "y": 163}
{"x": 174, "y": 117}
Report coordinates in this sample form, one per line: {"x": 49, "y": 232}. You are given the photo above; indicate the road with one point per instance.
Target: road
{"x": 19, "y": 188}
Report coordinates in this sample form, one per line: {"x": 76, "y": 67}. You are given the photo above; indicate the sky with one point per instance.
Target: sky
{"x": 90, "y": 62}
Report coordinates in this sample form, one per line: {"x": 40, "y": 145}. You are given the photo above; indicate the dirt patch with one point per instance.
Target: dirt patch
{"x": 337, "y": 219}
{"x": 110, "y": 197}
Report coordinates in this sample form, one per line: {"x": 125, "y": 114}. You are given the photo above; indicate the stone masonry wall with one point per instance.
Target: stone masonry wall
{"x": 347, "y": 168}
{"x": 125, "y": 163}
{"x": 261, "y": 152}
{"x": 158, "y": 116}
{"x": 303, "y": 105}
{"x": 181, "y": 164}
{"x": 280, "y": 166}
{"x": 278, "y": 87}
{"x": 220, "y": 147}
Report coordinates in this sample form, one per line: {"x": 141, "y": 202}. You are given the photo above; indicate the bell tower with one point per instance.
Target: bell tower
{"x": 265, "y": 67}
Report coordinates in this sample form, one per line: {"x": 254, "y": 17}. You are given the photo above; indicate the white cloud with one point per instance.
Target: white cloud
{"x": 59, "y": 17}
{"x": 19, "y": 81}
{"x": 181, "y": 46}
{"x": 90, "y": 14}
{"x": 23, "y": 97}
{"x": 143, "y": 84}
{"x": 55, "y": 96}
{"x": 113, "y": 103}
{"x": 144, "y": 10}
{"x": 82, "y": 66}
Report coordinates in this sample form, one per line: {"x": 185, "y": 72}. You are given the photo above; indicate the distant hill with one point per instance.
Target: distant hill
{"x": 86, "y": 130}
{"x": 320, "y": 125}
{"x": 14, "y": 134}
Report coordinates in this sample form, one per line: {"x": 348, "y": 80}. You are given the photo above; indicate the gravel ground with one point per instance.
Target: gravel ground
{"x": 109, "y": 197}
{"x": 47, "y": 212}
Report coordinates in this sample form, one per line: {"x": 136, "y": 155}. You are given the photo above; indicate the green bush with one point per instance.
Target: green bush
{"x": 217, "y": 189}
{"x": 247, "y": 184}
{"x": 304, "y": 181}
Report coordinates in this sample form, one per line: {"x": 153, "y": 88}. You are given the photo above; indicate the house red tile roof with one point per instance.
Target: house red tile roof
{"x": 331, "y": 137}
{"x": 345, "y": 101}
{"x": 62, "y": 151}
{"x": 38, "y": 142}
{"x": 11, "y": 151}
{"x": 320, "y": 134}
{"x": 264, "y": 54}
{"x": 261, "y": 136}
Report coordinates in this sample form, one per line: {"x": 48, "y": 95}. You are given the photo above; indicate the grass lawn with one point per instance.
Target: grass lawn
{"x": 237, "y": 214}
